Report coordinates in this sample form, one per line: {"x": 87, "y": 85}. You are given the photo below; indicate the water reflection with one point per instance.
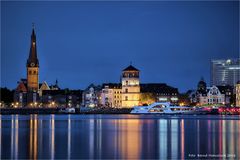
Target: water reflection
{"x": 14, "y": 137}
{"x": 33, "y": 137}
{"x": 52, "y": 136}
{"x": 0, "y": 135}
{"x": 182, "y": 138}
{"x": 120, "y": 137}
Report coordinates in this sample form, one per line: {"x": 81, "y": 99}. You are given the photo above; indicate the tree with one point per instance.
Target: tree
{"x": 147, "y": 98}
{"x": 6, "y": 95}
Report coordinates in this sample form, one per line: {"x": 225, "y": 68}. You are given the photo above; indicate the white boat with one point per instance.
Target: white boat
{"x": 67, "y": 110}
{"x": 162, "y": 108}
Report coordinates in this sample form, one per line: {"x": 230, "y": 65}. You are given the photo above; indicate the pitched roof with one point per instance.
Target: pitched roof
{"x": 112, "y": 85}
{"x": 130, "y": 68}
{"x": 22, "y": 87}
{"x": 157, "y": 88}
{"x": 44, "y": 86}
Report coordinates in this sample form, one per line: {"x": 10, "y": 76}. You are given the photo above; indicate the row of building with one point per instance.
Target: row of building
{"x": 113, "y": 95}
{"x": 128, "y": 93}
{"x": 214, "y": 95}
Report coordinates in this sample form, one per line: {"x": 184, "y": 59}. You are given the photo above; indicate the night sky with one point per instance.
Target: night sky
{"x": 80, "y": 43}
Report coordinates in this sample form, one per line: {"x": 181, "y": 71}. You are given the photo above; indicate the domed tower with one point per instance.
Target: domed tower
{"x": 130, "y": 87}
{"x": 33, "y": 65}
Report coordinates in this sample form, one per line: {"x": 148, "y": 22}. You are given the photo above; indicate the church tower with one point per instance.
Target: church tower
{"x": 33, "y": 65}
{"x": 130, "y": 87}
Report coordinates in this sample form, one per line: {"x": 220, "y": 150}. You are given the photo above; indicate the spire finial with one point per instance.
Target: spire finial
{"x": 33, "y": 25}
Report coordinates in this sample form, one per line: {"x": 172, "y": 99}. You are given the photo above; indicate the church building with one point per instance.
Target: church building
{"x": 27, "y": 91}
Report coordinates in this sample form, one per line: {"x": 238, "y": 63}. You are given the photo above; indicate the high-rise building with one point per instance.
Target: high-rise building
{"x": 33, "y": 66}
{"x": 225, "y": 72}
{"x": 130, "y": 87}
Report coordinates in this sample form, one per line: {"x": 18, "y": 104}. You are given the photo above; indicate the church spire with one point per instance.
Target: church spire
{"x": 32, "y": 59}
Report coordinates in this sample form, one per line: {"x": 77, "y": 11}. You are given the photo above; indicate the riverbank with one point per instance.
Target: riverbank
{"x": 57, "y": 111}
{"x": 26, "y": 111}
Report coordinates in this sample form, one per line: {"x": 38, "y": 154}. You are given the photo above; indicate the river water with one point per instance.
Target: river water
{"x": 119, "y": 136}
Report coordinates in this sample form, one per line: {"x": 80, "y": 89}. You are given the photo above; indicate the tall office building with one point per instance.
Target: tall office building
{"x": 225, "y": 72}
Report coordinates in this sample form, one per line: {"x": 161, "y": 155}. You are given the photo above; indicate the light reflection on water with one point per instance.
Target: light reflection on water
{"x": 117, "y": 136}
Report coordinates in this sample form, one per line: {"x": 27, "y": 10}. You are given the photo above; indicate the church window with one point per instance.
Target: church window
{"x": 126, "y": 98}
{"x": 126, "y": 90}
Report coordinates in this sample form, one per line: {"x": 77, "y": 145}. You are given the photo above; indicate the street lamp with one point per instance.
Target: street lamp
{"x": 53, "y": 104}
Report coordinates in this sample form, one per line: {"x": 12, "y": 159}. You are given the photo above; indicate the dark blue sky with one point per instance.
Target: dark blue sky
{"x": 91, "y": 42}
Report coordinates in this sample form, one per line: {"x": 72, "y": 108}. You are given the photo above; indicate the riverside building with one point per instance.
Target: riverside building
{"x": 111, "y": 95}
{"x": 130, "y": 92}
{"x": 225, "y": 72}
{"x": 214, "y": 95}
{"x": 238, "y": 94}
{"x": 130, "y": 87}
{"x": 27, "y": 90}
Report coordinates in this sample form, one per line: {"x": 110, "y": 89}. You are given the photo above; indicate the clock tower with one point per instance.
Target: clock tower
{"x": 33, "y": 65}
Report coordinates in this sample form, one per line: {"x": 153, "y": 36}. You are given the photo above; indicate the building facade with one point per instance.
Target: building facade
{"x": 20, "y": 93}
{"x": 130, "y": 87}
{"x": 158, "y": 92}
{"x": 238, "y": 94}
{"x": 91, "y": 96}
{"x": 228, "y": 92}
{"x": 213, "y": 96}
{"x": 61, "y": 98}
{"x": 111, "y": 95}
{"x": 225, "y": 72}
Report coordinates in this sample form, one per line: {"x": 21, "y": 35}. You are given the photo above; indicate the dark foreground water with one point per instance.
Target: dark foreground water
{"x": 119, "y": 136}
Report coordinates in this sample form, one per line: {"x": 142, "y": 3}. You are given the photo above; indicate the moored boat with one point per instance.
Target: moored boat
{"x": 162, "y": 108}
{"x": 67, "y": 110}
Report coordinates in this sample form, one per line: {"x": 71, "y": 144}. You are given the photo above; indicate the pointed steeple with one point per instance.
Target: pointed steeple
{"x": 32, "y": 59}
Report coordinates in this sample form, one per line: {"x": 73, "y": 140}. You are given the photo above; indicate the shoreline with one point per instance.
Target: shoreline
{"x": 26, "y": 111}
{"x": 107, "y": 111}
